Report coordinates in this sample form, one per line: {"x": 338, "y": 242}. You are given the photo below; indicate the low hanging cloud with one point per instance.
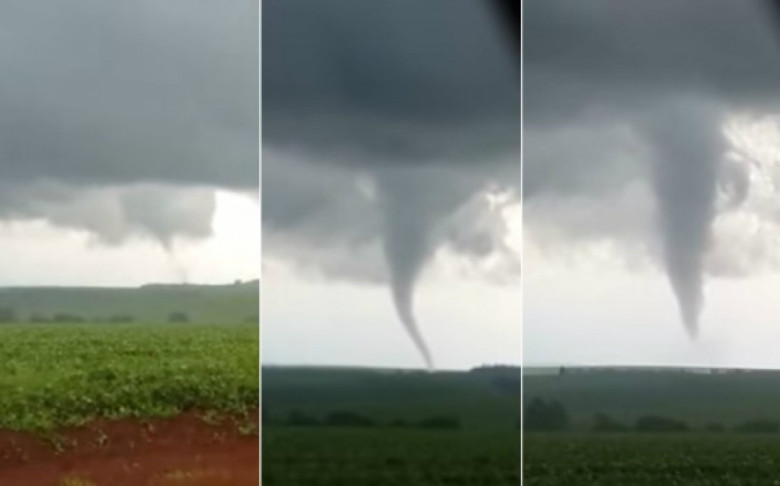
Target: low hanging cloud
{"x": 380, "y": 121}
{"x": 114, "y": 214}
{"x": 621, "y": 93}
{"x": 122, "y": 118}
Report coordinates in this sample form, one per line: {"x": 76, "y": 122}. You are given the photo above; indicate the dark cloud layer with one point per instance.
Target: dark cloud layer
{"x": 624, "y": 90}
{"x": 391, "y": 78}
{"x": 106, "y": 94}
{"x": 599, "y": 57}
{"x": 114, "y": 214}
{"x": 379, "y": 121}
{"x": 119, "y": 92}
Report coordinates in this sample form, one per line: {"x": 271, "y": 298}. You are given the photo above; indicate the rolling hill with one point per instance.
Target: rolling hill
{"x": 237, "y": 302}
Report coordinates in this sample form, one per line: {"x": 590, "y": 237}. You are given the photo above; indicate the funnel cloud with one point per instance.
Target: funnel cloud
{"x": 411, "y": 208}
{"x": 632, "y": 96}
{"x": 685, "y": 176}
{"x": 400, "y": 111}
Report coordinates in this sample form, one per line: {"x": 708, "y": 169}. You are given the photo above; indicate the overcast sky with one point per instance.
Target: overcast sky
{"x": 390, "y": 165}
{"x": 129, "y": 144}
{"x": 651, "y": 172}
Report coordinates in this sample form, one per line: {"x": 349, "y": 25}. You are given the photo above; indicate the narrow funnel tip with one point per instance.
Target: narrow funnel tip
{"x": 692, "y": 331}
{"x": 691, "y": 326}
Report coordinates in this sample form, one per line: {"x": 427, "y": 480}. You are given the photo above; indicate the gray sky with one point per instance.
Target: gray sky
{"x": 127, "y": 130}
{"x": 390, "y": 135}
{"x": 650, "y": 179}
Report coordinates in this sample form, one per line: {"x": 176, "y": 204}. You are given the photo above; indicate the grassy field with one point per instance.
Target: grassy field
{"x": 53, "y": 375}
{"x": 148, "y": 303}
{"x": 582, "y": 456}
{"x": 651, "y": 459}
{"x": 394, "y": 447}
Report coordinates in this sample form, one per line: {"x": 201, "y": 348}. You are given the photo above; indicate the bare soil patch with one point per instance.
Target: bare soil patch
{"x": 191, "y": 449}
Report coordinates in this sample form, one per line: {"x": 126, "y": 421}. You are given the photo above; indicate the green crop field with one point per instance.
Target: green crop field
{"x": 699, "y": 399}
{"x": 408, "y": 427}
{"x": 715, "y": 411}
{"x": 651, "y": 459}
{"x": 385, "y": 456}
{"x": 54, "y": 375}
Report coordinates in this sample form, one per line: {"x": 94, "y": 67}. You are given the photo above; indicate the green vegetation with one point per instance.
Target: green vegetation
{"x": 542, "y": 415}
{"x": 479, "y": 400}
{"x": 387, "y": 427}
{"x": 650, "y": 459}
{"x": 55, "y": 375}
{"x": 697, "y": 399}
{"x": 387, "y": 456}
{"x": 653, "y": 428}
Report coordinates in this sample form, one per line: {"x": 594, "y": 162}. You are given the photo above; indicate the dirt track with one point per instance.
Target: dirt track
{"x": 187, "y": 450}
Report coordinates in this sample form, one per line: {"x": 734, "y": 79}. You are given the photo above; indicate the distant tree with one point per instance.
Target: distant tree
{"x": 349, "y": 419}
{"x": 604, "y": 423}
{"x": 298, "y": 418}
{"x": 497, "y": 370}
{"x": 714, "y": 427}
{"x": 545, "y": 416}
{"x": 121, "y": 318}
{"x": 178, "y": 317}
{"x": 509, "y": 385}
{"x": 7, "y": 315}
{"x": 399, "y": 423}
{"x": 657, "y": 423}
{"x": 758, "y": 426}
{"x": 65, "y": 317}
{"x": 440, "y": 422}
{"x": 252, "y": 319}
{"x": 36, "y": 318}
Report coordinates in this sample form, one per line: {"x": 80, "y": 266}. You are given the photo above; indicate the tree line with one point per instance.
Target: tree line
{"x": 551, "y": 416}
{"x": 9, "y": 316}
{"x": 344, "y": 418}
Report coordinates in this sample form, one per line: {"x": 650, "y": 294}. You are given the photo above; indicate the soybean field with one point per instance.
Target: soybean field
{"x": 154, "y": 385}
{"x": 644, "y": 427}
{"x": 56, "y": 375}
{"x": 333, "y": 426}
{"x": 697, "y": 459}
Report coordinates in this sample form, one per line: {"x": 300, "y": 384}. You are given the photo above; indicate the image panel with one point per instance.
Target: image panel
{"x": 391, "y": 242}
{"x": 650, "y": 249}
{"x": 129, "y": 243}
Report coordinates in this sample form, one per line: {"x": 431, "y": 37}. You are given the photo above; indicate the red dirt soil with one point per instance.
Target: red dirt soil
{"x": 186, "y": 450}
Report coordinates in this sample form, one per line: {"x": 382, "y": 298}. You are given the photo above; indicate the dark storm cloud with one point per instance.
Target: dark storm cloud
{"x": 599, "y": 57}
{"x": 104, "y": 94}
{"x": 403, "y": 109}
{"x": 389, "y": 78}
{"x": 119, "y": 92}
{"x": 642, "y": 89}
{"x": 352, "y": 88}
